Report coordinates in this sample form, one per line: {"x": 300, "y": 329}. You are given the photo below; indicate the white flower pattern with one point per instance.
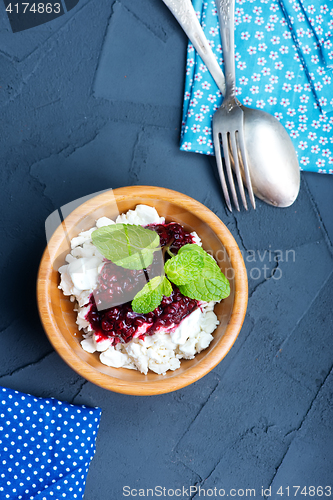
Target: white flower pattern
{"x": 279, "y": 68}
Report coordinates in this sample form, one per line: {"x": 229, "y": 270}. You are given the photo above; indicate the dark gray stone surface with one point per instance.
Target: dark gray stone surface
{"x": 93, "y": 101}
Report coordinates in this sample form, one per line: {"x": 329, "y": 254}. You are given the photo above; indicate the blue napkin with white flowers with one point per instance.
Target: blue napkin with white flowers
{"x": 46, "y": 447}
{"x": 284, "y": 65}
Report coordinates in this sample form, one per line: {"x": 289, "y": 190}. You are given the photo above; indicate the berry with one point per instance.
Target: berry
{"x": 119, "y": 322}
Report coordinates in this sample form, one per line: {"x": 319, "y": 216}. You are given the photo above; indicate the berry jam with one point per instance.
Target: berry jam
{"x": 117, "y": 285}
{"x": 174, "y": 233}
{"x": 111, "y": 315}
{"x": 121, "y": 323}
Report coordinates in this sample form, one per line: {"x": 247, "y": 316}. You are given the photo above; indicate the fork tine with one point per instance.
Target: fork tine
{"x": 234, "y": 150}
{"x": 218, "y": 157}
{"x": 241, "y": 143}
{"x": 228, "y": 166}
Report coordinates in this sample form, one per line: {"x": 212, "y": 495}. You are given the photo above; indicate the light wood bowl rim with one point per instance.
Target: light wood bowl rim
{"x": 194, "y": 373}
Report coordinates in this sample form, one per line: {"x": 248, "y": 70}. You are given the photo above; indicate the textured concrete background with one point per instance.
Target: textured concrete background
{"x": 93, "y": 101}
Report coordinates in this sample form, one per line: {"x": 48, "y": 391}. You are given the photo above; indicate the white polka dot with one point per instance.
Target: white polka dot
{"x": 37, "y": 422}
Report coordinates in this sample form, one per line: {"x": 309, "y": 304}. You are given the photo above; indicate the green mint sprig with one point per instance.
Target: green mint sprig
{"x": 211, "y": 284}
{"x": 192, "y": 270}
{"x": 151, "y": 295}
{"x": 184, "y": 267}
{"x": 208, "y": 283}
{"x": 127, "y": 245}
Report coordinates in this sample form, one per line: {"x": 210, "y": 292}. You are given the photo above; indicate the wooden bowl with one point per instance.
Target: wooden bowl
{"x": 56, "y": 310}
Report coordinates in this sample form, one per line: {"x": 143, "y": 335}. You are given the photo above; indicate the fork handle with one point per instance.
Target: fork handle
{"x": 184, "y": 12}
{"x": 226, "y": 13}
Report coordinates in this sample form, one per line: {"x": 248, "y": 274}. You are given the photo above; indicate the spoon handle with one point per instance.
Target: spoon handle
{"x": 184, "y": 12}
{"x": 226, "y": 13}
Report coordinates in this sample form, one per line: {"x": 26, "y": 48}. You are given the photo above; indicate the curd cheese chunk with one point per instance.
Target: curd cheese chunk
{"x": 159, "y": 352}
{"x": 203, "y": 341}
{"x": 190, "y": 326}
{"x": 209, "y": 322}
{"x": 102, "y": 344}
{"x": 84, "y": 272}
{"x": 80, "y": 319}
{"x": 162, "y": 368}
{"x": 88, "y": 345}
{"x": 137, "y": 354}
{"x": 83, "y": 237}
{"x": 188, "y": 349}
{"x": 83, "y": 297}
{"x": 196, "y": 239}
{"x": 142, "y": 215}
{"x": 113, "y": 358}
{"x": 69, "y": 258}
{"x": 148, "y": 215}
{"x": 104, "y": 221}
{"x": 66, "y": 284}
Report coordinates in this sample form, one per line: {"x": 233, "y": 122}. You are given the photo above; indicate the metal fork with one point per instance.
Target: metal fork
{"x": 228, "y": 120}
{"x": 185, "y": 14}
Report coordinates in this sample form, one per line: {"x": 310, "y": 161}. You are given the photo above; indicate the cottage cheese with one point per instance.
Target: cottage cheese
{"x": 159, "y": 352}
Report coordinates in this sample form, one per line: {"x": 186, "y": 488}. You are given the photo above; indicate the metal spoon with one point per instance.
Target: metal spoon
{"x": 272, "y": 159}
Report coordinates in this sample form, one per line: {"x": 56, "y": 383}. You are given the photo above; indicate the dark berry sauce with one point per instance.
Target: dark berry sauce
{"x": 174, "y": 233}
{"x": 121, "y": 323}
{"x": 111, "y": 315}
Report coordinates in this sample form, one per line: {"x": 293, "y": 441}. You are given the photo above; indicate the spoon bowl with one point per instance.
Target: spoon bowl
{"x": 272, "y": 159}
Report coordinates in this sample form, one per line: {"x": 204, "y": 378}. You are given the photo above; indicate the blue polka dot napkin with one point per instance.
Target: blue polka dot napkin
{"x": 284, "y": 65}
{"x": 46, "y": 447}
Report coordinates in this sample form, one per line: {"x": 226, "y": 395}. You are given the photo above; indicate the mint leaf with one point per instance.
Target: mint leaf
{"x": 127, "y": 245}
{"x": 151, "y": 295}
{"x": 210, "y": 285}
{"x": 166, "y": 287}
{"x": 191, "y": 247}
{"x": 207, "y": 283}
{"x": 184, "y": 267}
